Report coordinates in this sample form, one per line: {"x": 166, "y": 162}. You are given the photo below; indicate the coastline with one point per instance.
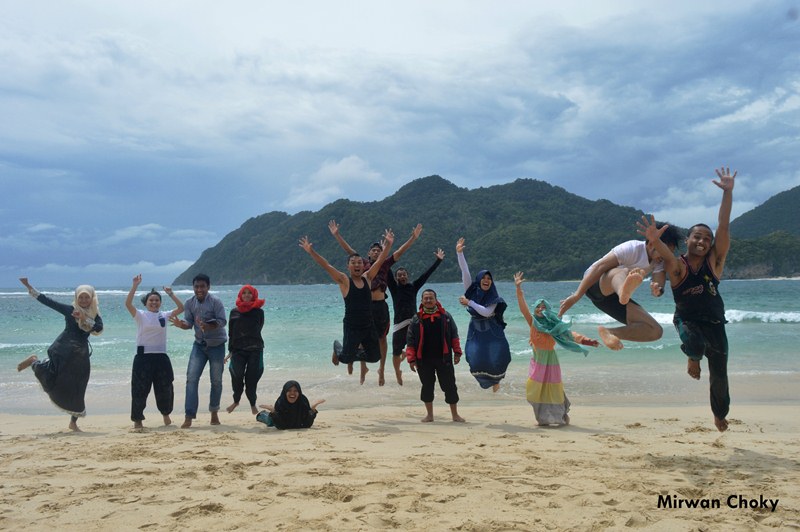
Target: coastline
{"x": 370, "y": 468}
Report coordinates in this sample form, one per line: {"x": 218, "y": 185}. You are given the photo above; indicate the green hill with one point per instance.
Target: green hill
{"x": 779, "y": 213}
{"x": 527, "y": 225}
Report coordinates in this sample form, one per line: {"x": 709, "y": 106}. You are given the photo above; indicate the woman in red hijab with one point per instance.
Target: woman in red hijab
{"x": 245, "y": 346}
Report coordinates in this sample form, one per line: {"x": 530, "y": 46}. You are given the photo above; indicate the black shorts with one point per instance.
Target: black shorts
{"x": 609, "y": 304}
{"x": 380, "y": 317}
{"x": 399, "y": 338}
{"x": 367, "y": 338}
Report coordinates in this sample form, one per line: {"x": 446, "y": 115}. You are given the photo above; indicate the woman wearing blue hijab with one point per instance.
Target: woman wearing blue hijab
{"x": 488, "y": 354}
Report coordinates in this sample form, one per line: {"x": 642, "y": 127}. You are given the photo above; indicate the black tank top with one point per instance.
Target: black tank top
{"x": 696, "y": 296}
{"x": 358, "y": 305}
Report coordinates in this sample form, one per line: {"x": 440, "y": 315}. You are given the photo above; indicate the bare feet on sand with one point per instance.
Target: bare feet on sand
{"x": 693, "y": 369}
{"x": 25, "y": 364}
{"x": 233, "y": 407}
{"x": 722, "y": 425}
{"x": 381, "y": 378}
{"x": 137, "y": 425}
{"x": 427, "y": 419}
{"x": 214, "y": 418}
{"x": 350, "y": 369}
{"x": 253, "y": 410}
{"x": 167, "y": 420}
{"x": 630, "y": 284}
{"x": 610, "y": 339}
{"x": 73, "y": 426}
{"x": 495, "y": 387}
{"x": 458, "y": 419}
{"x": 187, "y": 423}
{"x": 398, "y": 374}
{"x": 364, "y": 370}
{"x": 566, "y": 419}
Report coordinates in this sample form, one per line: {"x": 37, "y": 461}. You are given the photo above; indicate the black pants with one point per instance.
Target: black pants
{"x": 151, "y": 369}
{"x": 710, "y": 340}
{"x": 441, "y": 367}
{"x": 246, "y": 368}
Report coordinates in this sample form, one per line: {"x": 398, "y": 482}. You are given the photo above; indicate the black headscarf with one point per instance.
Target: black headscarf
{"x": 297, "y": 415}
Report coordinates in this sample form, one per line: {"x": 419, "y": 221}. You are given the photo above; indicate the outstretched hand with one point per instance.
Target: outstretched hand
{"x": 647, "y": 228}
{"x": 137, "y": 280}
{"x": 439, "y": 253}
{"x": 388, "y": 238}
{"x": 333, "y": 227}
{"x": 519, "y": 279}
{"x": 416, "y": 231}
{"x": 460, "y": 245}
{"x": 726, "y": 180}
{"x": 306, "y": 244}
{"x": 567, "y": 303}
{"x": 316, "y": 404}
{"x": 25, "y": 283}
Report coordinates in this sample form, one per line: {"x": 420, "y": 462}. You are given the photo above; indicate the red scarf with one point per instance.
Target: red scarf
{"x": 432, "y": 315}
{"x": 247, "y": 306}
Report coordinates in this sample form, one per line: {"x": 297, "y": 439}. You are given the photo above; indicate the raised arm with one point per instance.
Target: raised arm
{"x": 592, "y": 275}
{"x": 407, "y": 244}
{"x": 137, "y": 280}
{"x": 424, "y": 277}
{"x": 722, "y": 241}
{"x": 337, "y": 276}
{"x": 672, "y": 266}
{"x": 174, "y": 298}
{"x": 333, "y": 227}
{"x": 523, "y": 305}
{"x": 466, "y": 278}
{"x": 388, "y": 240}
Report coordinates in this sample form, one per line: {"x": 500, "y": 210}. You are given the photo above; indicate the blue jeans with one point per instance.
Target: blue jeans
{"x": 215, "y": 357}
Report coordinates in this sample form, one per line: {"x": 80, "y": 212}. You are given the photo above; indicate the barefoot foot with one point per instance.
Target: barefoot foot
{"x": 381, "y": 378}
{"x": 721, "y": 424}
{"x": 350, "y": 368}
{"x": 187, "y": 422}
{"x": 458, "y": 419}
{"x": 253, "y": 410}
{"x": 566, "y": 419}
{"x": 364, "y": 370}
{"x": 73, "y": 426}
{"x": 137, "y": 425}
{"x": 609, "y": 339}
{"x": 214, "y": 418}
{"x": 629, "y": 286}
{"x": 167, "y": 420}
{"x": 28, "y": 362}
{"x": 427, "y": 419}
{"x": 398, "y": 374}
{"x": 693, "y": 369}
{"x": 495, "y": 387}
{"x": 233, "y": 407}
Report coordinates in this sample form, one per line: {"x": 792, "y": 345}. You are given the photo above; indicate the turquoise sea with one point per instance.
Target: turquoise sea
{"x": 303, "y": 321}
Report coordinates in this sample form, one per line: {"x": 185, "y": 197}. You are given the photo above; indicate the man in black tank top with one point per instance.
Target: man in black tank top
{"x": 699, "y": 310}
{"x": 355, "y": 288}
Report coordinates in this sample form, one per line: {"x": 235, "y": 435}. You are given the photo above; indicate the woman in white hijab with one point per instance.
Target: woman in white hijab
{"x": 65, "y": 373}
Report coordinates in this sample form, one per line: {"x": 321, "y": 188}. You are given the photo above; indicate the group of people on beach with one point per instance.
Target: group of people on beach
{"x": 426, "y": 335}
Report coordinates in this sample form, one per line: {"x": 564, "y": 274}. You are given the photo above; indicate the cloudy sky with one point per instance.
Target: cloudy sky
{"x": 134, "y": 135}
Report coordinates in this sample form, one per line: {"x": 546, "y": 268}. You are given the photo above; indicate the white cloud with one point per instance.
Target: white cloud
{"x": 135, "y": 232}
{"x": 331, "y": 179}
{"x": 41, "y": 227}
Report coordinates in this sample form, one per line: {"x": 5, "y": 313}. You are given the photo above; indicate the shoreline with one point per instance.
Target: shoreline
{"x": 379, "y": 467}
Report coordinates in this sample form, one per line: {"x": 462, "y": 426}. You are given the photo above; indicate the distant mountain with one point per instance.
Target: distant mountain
{"x": 527, "y": 225}
{"x": 779, "y": 213}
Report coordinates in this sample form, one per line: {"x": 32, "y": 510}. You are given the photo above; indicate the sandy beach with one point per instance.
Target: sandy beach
{"x": 379, "y": 468}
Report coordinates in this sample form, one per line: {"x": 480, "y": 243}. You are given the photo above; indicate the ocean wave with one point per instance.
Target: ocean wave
{"x": 732, "y": 315}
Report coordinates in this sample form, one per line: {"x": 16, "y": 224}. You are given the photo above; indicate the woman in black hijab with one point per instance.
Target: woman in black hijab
{"x": 291, "y": 411}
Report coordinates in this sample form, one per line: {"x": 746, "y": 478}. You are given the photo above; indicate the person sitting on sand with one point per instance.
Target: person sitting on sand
{"x": 359, "y": 331}
{"x": 151, "y": 365}
{"x": 432, "y": 349}
{"x": 610, "y": 282}
{"x": 292, "y": 410}
{"x": 65, "y": 373}
{"x": 699, "y": 309}
{"x": 246, "y": 346}
{"x": 544, "y": 388}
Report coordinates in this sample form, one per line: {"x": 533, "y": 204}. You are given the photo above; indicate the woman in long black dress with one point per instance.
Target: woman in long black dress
{"x": 292, "y": 410}
{"x": 65, "y": 373}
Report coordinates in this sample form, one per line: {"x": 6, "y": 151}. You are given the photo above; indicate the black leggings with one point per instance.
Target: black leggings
{"x": 246, "y": 368}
